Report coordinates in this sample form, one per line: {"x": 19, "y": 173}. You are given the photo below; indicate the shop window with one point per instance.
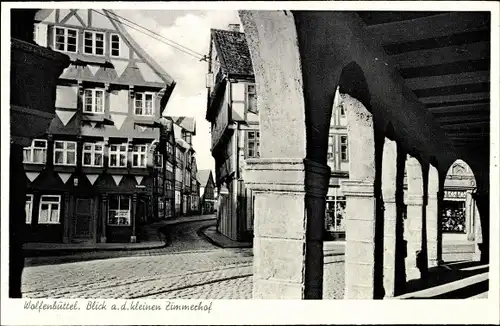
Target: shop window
{"x": 93, "y": 154}
{"x": 253, "y": 145}
{"x": 139, "y": 156}
{"x": 64, "y": 152}
{"x": 36, "y": 153}
{"x": 115, "y": 45}
{"x": 119, "y": 210}
{"x": 453, "y": 220}
{"x": 65, "y": 39}
{"x": 144, "y": 104}
{"x": 50, "y": 209}
{"x": 118, "y": 155}
{"x": 93, "y": 43}
{"x": 28, "y": 208}
{"x": 93, "y": 101}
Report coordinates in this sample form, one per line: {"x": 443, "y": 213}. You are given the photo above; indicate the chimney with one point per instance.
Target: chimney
{"x": 234, "y": 27}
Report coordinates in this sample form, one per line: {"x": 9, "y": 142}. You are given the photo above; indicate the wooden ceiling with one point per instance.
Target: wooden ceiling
{"x": 444, "y": 57}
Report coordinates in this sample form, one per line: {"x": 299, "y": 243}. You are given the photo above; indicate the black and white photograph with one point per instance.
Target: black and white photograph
{"x": 213, "y": 152}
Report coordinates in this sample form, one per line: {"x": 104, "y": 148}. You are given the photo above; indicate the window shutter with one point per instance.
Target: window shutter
{"x": 41, "y": 31}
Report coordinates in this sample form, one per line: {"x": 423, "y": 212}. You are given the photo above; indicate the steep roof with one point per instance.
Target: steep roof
{"x": 187, "y": 123}
{"x": 203, "y": 176}
{"x": 233, "y": 52}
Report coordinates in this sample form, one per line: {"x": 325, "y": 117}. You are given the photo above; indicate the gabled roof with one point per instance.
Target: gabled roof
{"x": 233, "y": 52}
{"x": 187, "y": 123}
{"x": 203, "y": 176}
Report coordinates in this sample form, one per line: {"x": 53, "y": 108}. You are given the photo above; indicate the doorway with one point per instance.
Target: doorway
{"x": 83, "y": 220}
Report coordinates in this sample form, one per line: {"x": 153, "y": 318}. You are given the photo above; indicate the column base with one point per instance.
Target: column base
{"x": 103, "y": 240}
{"x": 412, "y": 274}
{"x": 133, "y": 239}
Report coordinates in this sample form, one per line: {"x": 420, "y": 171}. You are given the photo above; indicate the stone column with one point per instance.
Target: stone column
{"x": 389, "y": 171}
{"x": 469, "y": 215}
{"x": 104, "y": 217}
{"x": 478, "y": 235}
{"x": 361, "y": 208}
{"x": 413, "y": 225}
{"x": 277, "y": 178}
{"x": 433, "y": 217}
{"x": 133, "y": 217}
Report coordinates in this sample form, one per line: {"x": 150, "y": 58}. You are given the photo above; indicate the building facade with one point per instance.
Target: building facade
{"x": 207, "y": 191}
{"x": 195, "y": 188}
{"x": 232, "y": 112}
{"x": 97, "y": 174}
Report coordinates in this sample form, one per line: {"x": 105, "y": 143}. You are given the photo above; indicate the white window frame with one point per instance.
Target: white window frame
{"x": 29, "y": 214}
{"x": 65, "y": 152}
{"x": 139, "y": 150}
{"x": 346, "y": 144}
{"x": 31, "y": 150}
{"x": 94, "y": 43}
{"x": 111, "y": 42}
{"x": 118, "y": 209}
{"x": 66, "y": 29}
{"x": 331, "y": 147}
{"x": 256, "y": 143}
{"x": 143, "y": 105}
{"x": 92, "y": 151}
{"x": 93, "y": 99}
{"x": 250, "y": 93}
{"x": 50, "y": 209}
{"x": 118, "y": 152}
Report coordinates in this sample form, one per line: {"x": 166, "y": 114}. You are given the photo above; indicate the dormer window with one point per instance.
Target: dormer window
{"x": 144, "y": 104}
{"x": 93, "y": 101}
{"x": 65, "y": 39}
{"x": 93, "y": 43}
{"x": 115, "y": 45}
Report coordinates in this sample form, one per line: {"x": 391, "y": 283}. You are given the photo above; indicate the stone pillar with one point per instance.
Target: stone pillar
{"x": 104, "y": 217}
{"x": 478, "y": 235}
{"x": 389, "y": 171}
{"x": 133, "y": 217}
{"x": 281, "y": 252}
{"x": 361, "y": 208}
{"x": 413, "y": 225}
{"x": 433, "y": 217}
{"x": 469, "y": 215}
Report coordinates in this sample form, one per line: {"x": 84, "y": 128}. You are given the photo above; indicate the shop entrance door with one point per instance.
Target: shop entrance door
{"x": 83, "y": 226}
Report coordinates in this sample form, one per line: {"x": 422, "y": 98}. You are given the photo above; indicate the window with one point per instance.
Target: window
{"x": 331, "y": 146}
{"x": 335, "y": 213}
{"x": 144, "y": 104}
{"x": 252, "y": 98}
{"x": 64, "y": 152}
{"x": 93, "y": 101}
{"x": 65, "y": 39}
{"x": 50, "y": 208}
{"x": 93, "y": 43}
{"x": 36, "y": 153}
{"x": 115, "y": 45}
{"x": 344, "y": 155}
{"x": 118, "y": 155}
{"x": 119, "y": 210}
{"x": 139, "y": 156}
{"x": 342, "y": 110}
{"x": 93, "y": 154}
{"x": 169, "y": 185}
{"x": 253, "y": 146}
{"x": 158, "y": 160}
{"x": 28, "y": 207}
{"x": 170, "y": 150}
{"x": 186, "y": 136}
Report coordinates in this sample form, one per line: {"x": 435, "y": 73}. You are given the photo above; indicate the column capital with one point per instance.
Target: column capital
{"x": 412, "y": 199}
{"x": 277, "y": 174}
{"x": 358, "y": 188}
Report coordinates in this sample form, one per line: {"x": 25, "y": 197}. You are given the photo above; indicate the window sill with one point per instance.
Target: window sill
{"x": 34, "y": 166}
{"x": 93, "y": 169}
{"x": 64, "y": 168}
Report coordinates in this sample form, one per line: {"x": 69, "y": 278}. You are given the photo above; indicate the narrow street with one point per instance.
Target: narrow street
{"x": 190, "y": 267}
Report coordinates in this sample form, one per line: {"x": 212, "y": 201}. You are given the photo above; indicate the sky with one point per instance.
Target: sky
{"x": 192, "y": 30}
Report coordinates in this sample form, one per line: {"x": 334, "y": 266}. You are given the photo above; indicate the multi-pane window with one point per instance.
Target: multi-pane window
{"x": 36, "y": 153}
{"x": 344, "y": 155}
{"x": 331, "y": 145}
{"x": 335, "y": 213}
{"x": 65, "y": 39}
{"x": 187, "y": 136}
{"x": 119, "y": 210}
{"x": 93, "y": 101}
{"x": 158, "y": 160}
{"x": 139, "y": 156}
{"x": 93, "y": 43}
{"x": 115, "y": 45}
{"x": 252, "y": 98}
{"x": 93, "y": 154}
{"x": 118, "y": 155}
{"x": 253, "y": 146}
{"x": 179, "y": 157}
{"x": 28, "y": 208}
{"x": 144, "y": 104}
{"x": 170, "y": 150}
{"x": 169, "y": 185}
{"x": 50, "y": 209}
{"x": 64, "y": 152}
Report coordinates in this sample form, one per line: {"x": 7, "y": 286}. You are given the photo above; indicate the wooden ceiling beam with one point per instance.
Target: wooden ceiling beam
{"x": 480, "y": 108}
{"x": 448, "y": 80}
{"x": 456, "y": 97}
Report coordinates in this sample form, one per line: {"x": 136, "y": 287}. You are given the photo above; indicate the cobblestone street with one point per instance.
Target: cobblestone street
{"x": 189, "y": 268}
